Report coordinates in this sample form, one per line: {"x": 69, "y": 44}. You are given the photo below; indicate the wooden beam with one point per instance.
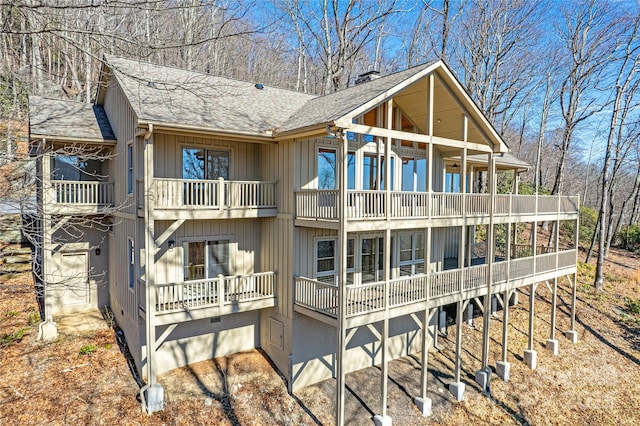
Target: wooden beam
{"x": 170, "y": 230}
{"x": 416, "y": 137}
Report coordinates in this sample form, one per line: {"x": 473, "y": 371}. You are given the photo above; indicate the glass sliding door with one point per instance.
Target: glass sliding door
{"x": 372, "y": 260}
{"x": 205, "y": 260}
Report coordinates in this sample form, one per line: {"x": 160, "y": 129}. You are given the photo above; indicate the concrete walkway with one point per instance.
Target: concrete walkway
{"x": 81, "y": 323}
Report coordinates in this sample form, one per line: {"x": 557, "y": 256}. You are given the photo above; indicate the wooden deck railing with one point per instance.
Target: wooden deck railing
{"x": 212, "y": 292}
{"x": 364, "y": 205}
{"x": 367, "y": 298}
{"x": 82, "y": 192}
{"x": 216, "y": 194}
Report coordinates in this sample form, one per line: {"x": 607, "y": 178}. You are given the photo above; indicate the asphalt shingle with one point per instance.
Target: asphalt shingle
{"x": 68, "y": 119}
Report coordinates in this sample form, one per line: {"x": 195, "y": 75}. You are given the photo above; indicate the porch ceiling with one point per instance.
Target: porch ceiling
{"x": 447, "y": 113}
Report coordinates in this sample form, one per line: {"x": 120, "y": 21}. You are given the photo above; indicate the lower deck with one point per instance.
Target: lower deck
{"x": 373, "y": 302}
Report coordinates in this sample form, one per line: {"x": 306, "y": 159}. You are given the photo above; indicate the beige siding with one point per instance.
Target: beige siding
{"x": 244, "y": 245}
{"x": 245, "y": 160}
{"x": 86, "y": 286}
{"x": 195, "y": 341}
{"x": 315, "y": 347}
{"x": 124, "y": 124}
{"x": 305, "y": 249}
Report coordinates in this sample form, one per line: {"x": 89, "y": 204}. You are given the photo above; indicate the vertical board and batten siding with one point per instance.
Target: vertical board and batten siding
{"x": 245, "y": 161}
{"x": 276, "y": 254}
{"x": 276, "y": 248}
{"x": 124, "y": 124}
{"x": 451, "y": 241}
{"x": 305, "y": 249}
{"x": 244, "y": 246}
{"x": 88, "y": 239}
{"x": 438, "y": 242}
{"x": 124, "y": 302}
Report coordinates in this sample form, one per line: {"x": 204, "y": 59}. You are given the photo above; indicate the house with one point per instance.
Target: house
{"x": 215, "y": 215}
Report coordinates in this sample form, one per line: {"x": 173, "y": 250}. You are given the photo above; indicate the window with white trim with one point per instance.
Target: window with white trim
{"x": 326, "y": 265}
{"x": 411, "y": 254}
{"x": 130, "y": 168}
{"x": 131, "y": 262}
{"x": 327, "y": 176}
{"x": 205, "y": 259}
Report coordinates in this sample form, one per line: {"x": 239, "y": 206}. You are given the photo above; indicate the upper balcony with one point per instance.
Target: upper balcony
{"x": 212, "y": 199}
{"x": 223, "y": 295}
{"x": 67, "y": 197}
{"x": 401, "y": 296}
{"x": 320, "y": 208}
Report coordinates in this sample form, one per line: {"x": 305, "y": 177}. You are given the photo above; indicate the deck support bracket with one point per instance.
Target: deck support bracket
{"x": 165, "y": 335}
{"x": 170, "y": 230}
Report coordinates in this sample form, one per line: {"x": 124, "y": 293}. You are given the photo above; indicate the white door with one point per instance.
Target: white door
{"x": 76, "y": 286}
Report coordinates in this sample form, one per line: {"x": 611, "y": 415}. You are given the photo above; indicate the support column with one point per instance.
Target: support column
{"x": 342, "y": 281}
{"x": 503, "y": 367}
{"x": 572, "y": 334}
{"x": 457, "y": 387}
{"x": 423, "y": 402}
{"x": 483, "y": 376}
{"x": 383, "y": 418}
{"x": 48, "y": 329}
{"x": 552, "y": 343}
{"x": 152, "y": 393}
{"x": 530, "y": 355}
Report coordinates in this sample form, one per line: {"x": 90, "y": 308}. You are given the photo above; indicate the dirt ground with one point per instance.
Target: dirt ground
{"x": 85, "y": 379}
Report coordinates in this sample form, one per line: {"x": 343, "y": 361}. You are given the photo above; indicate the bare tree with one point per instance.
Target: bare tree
{"x": 587, "y": 42}
{"x": 619, "y": 141}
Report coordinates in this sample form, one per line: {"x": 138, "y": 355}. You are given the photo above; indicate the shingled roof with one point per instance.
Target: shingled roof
{"x": 68, "y": 120}
{"x": 325, "y": 109}
{"x": 167, "y": 95}
{"x": 172, "y": 96}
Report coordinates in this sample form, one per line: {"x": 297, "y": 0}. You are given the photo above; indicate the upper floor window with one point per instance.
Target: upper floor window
{"x": 198, "y": 163}
{"x": 131, "y": 262}
{"x": 327, "y": 168}
{"x": 414, "y": 174}
{"x": 73, "y": 167}
{"x": 130, "y": 168}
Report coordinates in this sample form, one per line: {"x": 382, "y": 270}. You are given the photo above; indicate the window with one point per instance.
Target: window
{"x": 351, "y": 256}
{"x": 131, "y": 262}
{"x": 73, "y": 167}
{"x": 326, "y": 264}
{"x": 326, "y": 168}
{"x": 452, "y": 181}
{"x": 370, "y": 172}
{"x": 414, "y": 174}
{"x": 198, "y": 163}
{"x": 351, "y": 170}
{"x": 326, "y": 261}
{"x": 372, "y": 259}
{"x": 411, "y": 254}
{"x": 205, "y": 259}
{"x": 130, "y": 168}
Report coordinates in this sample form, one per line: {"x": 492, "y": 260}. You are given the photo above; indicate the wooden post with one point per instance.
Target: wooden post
{"x": 490, "y": 262}
{"x": 342, "y": 281}
{"x": 458, "y": 340}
